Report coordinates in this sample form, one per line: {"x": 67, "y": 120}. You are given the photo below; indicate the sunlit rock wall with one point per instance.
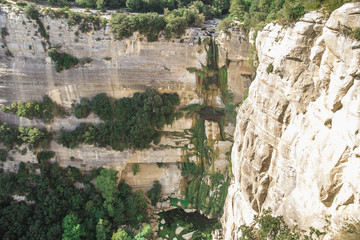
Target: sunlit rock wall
{"x": 297, "y": 142}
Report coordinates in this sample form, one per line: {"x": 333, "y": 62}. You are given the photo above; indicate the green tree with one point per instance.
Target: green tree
{"x": 106, "y": 183}
{"x": 237, "y": 8}
{"x": 72, "y": 228}
{"x": 103, "y": 229}
{"x": 176, "y": 27}
{"x": 144, "y": 233}
{"x": 31, "y": 11}
{"x": 155, "y": 192}
{"x": 101, "y": 106}
{"x": 121, "y": 25}
{"x": 30, "y": 134}
{"x": 120, "y": 235}
{"x": 83, "y": 109}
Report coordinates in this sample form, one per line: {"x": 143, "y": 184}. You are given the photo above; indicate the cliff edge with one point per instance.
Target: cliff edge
{"x": 297, "y": 142}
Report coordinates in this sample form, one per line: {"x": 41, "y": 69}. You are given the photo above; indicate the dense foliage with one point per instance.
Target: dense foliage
{"x": 55, "y": 209}
{"x": 255, "y": 13}
{"x": 154, "y": 193}
{"x": 11, "y": 135}
{"x": 32, "y": 12}
{"x": 129, "y": 122}
{"x": 46, "y": 110}
{"x": 142, "y": 6}
{"x": 273, "y": 228}
{"x": 62, "y": 60}
{"x": 82, "y": 109}
{"x": 150, "y": 25}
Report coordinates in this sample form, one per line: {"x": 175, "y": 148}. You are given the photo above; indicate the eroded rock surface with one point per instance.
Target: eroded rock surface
{"x": 119, "y": 69}
{"x": 297, "y": 143}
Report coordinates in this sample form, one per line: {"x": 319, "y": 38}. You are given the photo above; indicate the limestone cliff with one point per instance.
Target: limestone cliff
{"x": 119, "y": 69}
{"x": 297, "y": 142}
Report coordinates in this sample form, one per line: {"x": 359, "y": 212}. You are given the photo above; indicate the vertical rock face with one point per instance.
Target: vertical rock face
{"x": 297, "y": 142}
{"x": 119, "y": 69}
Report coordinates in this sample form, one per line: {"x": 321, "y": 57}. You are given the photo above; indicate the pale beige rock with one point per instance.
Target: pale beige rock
{"x": 188, "y": 236}
{"x": 297, "y": 140}
{"x": 179, "y": 230}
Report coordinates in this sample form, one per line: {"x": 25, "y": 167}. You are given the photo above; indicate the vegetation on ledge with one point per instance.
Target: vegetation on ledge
{"x": 256, "y": 13}
{"x": 129, "y": 122}
{"x": 45, "y": 110}
{"x": 62, "y": 60}
{"x": 266, "y": 226}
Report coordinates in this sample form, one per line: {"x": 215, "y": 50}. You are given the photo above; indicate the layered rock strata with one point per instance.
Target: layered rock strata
{"x": 297, "y": 142}
{"x": 119, "y": 69}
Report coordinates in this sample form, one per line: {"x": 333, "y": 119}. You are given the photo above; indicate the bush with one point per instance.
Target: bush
{"x": 149, "y": 24}
{"x": 294, "y": 13}
{"x": 130, "y": 122}
{"x": 121, "y": 25}
{"x": 9, "y": 136}
{"x": 83, "y": 109}
{"x": 4, "y": 32}
{"x": 154, "y": 193}
{"x": 135, "y": 168}
{"x": 45, "y": 110}
{"x": 3, "y": 155}
{"x": 270, "y": 68}
{"x": 270, "y": 227}
{"x": 31, "y": 12}
{"x": 45, "y": 156}
{"x": 356, "y": 34}
{"x": 225, "y": 25}
{"x": 176, "y": 27}
{"x": 101, "y": 106}
{"x": 62, "y": 60}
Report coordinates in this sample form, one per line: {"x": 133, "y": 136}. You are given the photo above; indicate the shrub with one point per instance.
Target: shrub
{"x": 121, "y": 26}
{"x": 225, "y": 25}
{"x": 46, "y": 109}
{"x": 101, "y": 106}
{"x": 269, "y": 227}
{"x": 62, "y": 60}
{"x": 135, "y": 168}
{"x": 176, "y": 27}
{"x": 270, "y": 68}
{"x": 9, "y": 136}
{"x": 83, "y": 109}
{"x": 130, "y": 122}
{"x": 3, "y": 155}
{"x": 45, "y": 155}
{"x": 149, "y": 24}
{"x": 294, "y": 13}
{"x": 356, "y": 34}
{"x": 154, "y": 193}
{"x": 31, "y": 12}
{"x": 4, "y": 32}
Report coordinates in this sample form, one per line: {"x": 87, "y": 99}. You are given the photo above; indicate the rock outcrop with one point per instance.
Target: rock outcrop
{"x": 297, "y": 142}
{"x": 119, "y": 69}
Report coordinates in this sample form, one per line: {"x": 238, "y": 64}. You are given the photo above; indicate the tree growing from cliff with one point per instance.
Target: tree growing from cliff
{"x": 155, "y": 192}
{"x": 101, "y": 106}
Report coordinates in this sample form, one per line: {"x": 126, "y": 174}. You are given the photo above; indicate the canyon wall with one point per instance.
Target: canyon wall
{"x": 297, "y": 142}
{"x": 119, "y": 69}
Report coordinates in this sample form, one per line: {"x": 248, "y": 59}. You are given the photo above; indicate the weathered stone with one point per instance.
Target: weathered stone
{"x": 179, "y": 230}
{"x": 286, "y": 155}
{"x": 188, "y": 236}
